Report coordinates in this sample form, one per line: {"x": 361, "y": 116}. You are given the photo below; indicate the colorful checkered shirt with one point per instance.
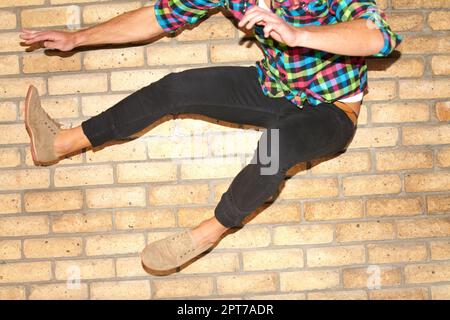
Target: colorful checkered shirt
{"x": 297, "y": 73}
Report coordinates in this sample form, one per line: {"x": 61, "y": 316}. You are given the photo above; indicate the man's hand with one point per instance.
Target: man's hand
{"x": 61, "y": 40}
{"x": 274, "y": 26}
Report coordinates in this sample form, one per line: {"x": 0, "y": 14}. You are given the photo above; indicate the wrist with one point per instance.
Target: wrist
{"x": 302, "y": 37}
{"x": 78, "y": 38}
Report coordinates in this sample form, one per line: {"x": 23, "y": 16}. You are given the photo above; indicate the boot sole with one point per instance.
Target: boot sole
{"x": 27, "y": 126}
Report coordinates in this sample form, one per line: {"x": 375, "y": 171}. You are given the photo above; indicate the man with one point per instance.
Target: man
{"x": 308, "y": 87}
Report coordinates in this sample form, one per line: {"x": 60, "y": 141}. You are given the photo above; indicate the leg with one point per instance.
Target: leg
{"x": 303, "y": 135}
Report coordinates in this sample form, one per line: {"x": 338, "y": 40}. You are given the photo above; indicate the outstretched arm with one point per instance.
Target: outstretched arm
{"x": 132, "y": 26}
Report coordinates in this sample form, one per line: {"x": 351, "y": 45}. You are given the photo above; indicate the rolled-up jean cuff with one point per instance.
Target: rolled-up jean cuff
{"x": 222, "y": 212}
{"x": 93, "y": 129}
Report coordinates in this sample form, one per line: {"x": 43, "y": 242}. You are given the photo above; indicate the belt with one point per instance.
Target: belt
{"x": 349, "y": 111}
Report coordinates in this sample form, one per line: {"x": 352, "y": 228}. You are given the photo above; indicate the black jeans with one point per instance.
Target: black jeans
{"x": 233, "y": 94}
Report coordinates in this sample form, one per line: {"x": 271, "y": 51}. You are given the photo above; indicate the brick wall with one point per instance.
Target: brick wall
{"x": 372, "y": 223}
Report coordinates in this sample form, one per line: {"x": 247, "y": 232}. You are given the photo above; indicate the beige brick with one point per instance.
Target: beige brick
{"x": 133, "y": 150}
{"x": 282, "y": 296}
{"x": 24, "y": 179}
{"x": 423, "y": 182}
{"x": 234, "y": 53}
{"x": 427, "y": 273}
{"x": 8, "y": 111}
{"x": 10, "y": 203}
{"x": 364, "y": 231}
{"x": 210, "y": 169}
{"x": 440, "y": 65}
{"x": 130, "y": 267}
{"x": 58, "y": 291}
{"x": 115, "y": 197}
{"x": 13, "y": 133}
{"x": 392, "y": 253}
{"x": 403, "y": 160}
{"x": 408, "y": 21}
{"x": 243, "y": 284}
{"x": 9, "y": 64}
{"x": 440, "y": 250}
{"x": 213, "y": 262}
{"x": 275, "y": 213}
{"x": 438, "y": 204}
{"x": 17, "y": 88}
{"x": 424, "y": 89}
{"x": 443, "y": 157}
{"x": 77, "y": 1}
{"x": 272, "y": 259}
{"x": 419, "y": 4}
{"x": 10, "y": 42}
{"x": 104, "y": 12}
{"x": 73, "y": 84}
{"x": 308, "y": 280}
{"x": 84, "y": 269}
{"x": 335, "y": 256}
{"x": 438, "y": 20}
{"x": 114, "y": 244}
{"x": 86, "y": 175}
{"x": 367, "y": 277}
{"x": 344, "y": 163}
{"x": 135, "y": 79}
{"x": 179, "y": 194}
{"x": 246, "y": 238}
{"x": 79, "y": 222}
{"x": 191, "y": 217}
{"x": 303, "y": 234}
{"x": 400, "y": 294}
{"x": 333, "y": 210}
{"x": 309, "y": 188}
{"x": 25, "y": 272}
{"x": 182, "y": 287}
{"x": 12, "y": 293}
{"x": 117, "y": 58}
{"x": 53, "y": 201}
{"x": 120, "y": 290}
{"x": 438, "y": 134}
{"x": 440, "y": 292}
{"x": 144, "y": 219}
{"x": 10, "y": 249}
{"x": 210, "y": 29}
{"x": 180, "y": 147}
{"x": 7, "y": 20}
{"x": 40, "y": 62}
{"x": 381, "y": 90}
{"x": 402, "y": 68}
{"x": 375, "y": 137}
{"x": 146, "y": 172}
{"x": 95, "y": 104}
{"x": 23, "y": 226}
{"x": 372, "y": 184}
{"x": 9, "y": 157}
{"x": 68, "y": 16}
{"x": 399, "y": 112}
{"x": 387, "y": 207}
{"x": 443, "y": 111}
{"x": 52, "y": 247}
{"x": 338, "y": 295}
{"x": 433, "y": 44}
{"x": 183, "y": 54}
{"x": 423, "y": 228}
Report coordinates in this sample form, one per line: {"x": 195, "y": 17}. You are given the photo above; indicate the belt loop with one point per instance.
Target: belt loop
{"x": 349, "y": 111}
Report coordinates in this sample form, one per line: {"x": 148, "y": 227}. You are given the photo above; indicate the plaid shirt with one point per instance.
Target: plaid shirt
{"x": 299, "y": 74}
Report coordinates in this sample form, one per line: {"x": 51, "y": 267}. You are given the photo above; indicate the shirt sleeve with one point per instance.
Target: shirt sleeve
{"x": 346, "y": 10}
{"x": 173, "y": 14}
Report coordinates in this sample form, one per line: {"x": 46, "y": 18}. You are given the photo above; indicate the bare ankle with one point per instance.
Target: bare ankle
{"x": 62, "y": 145}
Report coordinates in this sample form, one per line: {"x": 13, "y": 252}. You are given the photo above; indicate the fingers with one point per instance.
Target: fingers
{"x": 254, "y": 15}
{"x": 37, "y": 37}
